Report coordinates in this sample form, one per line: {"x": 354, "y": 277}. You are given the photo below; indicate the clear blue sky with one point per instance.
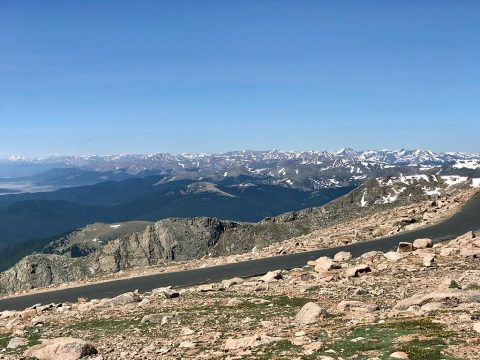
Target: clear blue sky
{"x": 83, "y": 77}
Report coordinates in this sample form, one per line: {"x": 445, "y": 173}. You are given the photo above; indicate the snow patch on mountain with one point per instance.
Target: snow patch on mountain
{"x": 467, "y": 164}
{"x": 454, "y": 180}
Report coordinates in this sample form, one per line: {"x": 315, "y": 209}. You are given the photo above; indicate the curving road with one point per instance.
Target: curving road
{"x": 468, "y": 218}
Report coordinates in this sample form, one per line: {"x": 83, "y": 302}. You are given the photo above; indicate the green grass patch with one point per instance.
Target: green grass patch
{"x": 288, "y": 301}
{"x": 32, "y": 335}
{"x": 109, "y": 325}
{"x": 4, "y": 339}
{"x": 473, "y": 287}
{"x": 282, "y": 349}
{"x": 428, "y": 339}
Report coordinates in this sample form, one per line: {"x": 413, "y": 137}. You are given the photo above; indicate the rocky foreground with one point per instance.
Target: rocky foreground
{"x": 420, "y": 302}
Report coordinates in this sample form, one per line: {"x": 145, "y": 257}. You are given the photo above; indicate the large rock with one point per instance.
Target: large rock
{"x": 393, "y": 256}
{"x": 473, "y": 252}
{"x": 422, "y": 243}
{"x": 272, "y": 276}
{"x": 166, "y": 292}
{"x": 342, "y": 256}
{"x": 325, "y": 264}
{"x": 476, "y": 327}
{"x": 310, "y": 313}
{"x": 399, "y": 355}
{"x": 120, "y": 300}
{"x": 451, "y": 297}
{"x": 357, "y": 270}
{"x": 64, "y": 348}
{"x": 405, "y": 247}
{"x": 228, "y": 283}
{"x": 428, "y": 260}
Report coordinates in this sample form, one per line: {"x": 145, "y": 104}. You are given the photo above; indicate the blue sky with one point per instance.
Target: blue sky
{"x": 84, "y": 77}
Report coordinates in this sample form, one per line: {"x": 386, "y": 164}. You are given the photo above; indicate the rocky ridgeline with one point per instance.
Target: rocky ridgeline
{"x": 175, "y": 239}
{"x": 419, "y": 302}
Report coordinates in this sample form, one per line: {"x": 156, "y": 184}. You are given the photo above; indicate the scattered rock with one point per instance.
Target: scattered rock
{"x": 310, "y": 313}
{"x": 272, "y": 276}
{"x": 476, "y": 327}
{"x": 325, "y": 264}
{"x": 231, "y": 282}
{"x": 171, "y": 318}
{"x": 422, "y": 243}
{"x": 428, "y": 260}
{"x": 187, "y": 345}
{"x": 393, "y": 256}
{"x": 449, "y": 251}
{"x": 357, "y": 270}
{"x": 451, "y": 298}
{"x": 405, "y": 247}
{"x": 205, "y": 288}
{"x": 342, "y": 256}
{"x": 399, "y": 355}
{"x": 474, "y": 253}
{"x": 166, "y": 292}
{"x": 249, "y": 342}
{"x": 120, "y": 300}
{"x": 352, "y": 305}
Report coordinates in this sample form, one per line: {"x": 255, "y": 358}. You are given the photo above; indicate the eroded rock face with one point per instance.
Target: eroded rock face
{"x": 61, "y": 349}
{"x": 42, "y": 270}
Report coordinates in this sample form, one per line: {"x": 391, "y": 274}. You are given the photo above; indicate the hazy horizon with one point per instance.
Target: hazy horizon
{"x": 4, "y": 156}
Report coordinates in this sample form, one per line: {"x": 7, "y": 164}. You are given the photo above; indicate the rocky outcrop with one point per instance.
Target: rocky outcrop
{"x": 42, "y": 270}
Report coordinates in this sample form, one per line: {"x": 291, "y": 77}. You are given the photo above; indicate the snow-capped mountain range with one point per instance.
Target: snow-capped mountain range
{"x": 310, "y": 169}
{"x": 393, "y": 157}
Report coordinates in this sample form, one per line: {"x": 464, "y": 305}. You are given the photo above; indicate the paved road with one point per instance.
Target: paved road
{"x": 468, "y": 218}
